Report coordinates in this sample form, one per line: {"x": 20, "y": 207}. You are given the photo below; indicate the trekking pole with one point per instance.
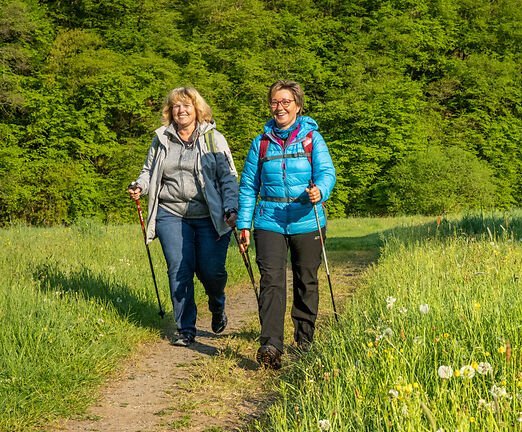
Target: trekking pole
{"x": 311, "y": 185}
{"x": 246, "y": 260}
{"x": 140, "y": 214}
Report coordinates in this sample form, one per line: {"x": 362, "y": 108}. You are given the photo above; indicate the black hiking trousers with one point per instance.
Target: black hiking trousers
{"x": 271, "y": 258}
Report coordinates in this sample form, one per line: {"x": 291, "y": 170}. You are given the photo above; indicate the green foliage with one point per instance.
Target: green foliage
{"x": 436, "y": 180}
{"x": 82, "y": 83}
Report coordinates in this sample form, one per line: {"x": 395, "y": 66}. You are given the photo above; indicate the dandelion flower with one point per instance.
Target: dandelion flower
{"x": 324, "y": 424}
{"x": 388, "y": 332}
{"x": 424, "y": 308}
{"x": 498, "y": 392}
{"x": 390, "y": 301}
{"x": 484, "y": 368}
{"x": 502, "y": 349}
{"x": 456, "y": 373}
{"x": 467, "y": 372}
{"x": 445, "y": 372}
{"x": 394, "y": 394}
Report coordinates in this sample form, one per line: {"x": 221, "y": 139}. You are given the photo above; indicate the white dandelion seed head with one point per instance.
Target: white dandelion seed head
{"x": 390, "y": 301}
{"x": 424, "y": 308}
{"x": 324, "y": 424}
{"x": 388, "y": 332}
{"x": 467, "y": 372}
{"x": 445, "y": 372}
{"x": 484, "y": 368}
{"x": 498, "y": 391}
{"x": 394, "y": 394}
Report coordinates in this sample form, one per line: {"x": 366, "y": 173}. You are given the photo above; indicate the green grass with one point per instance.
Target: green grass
{"x": 378, "y": 369}
{"x": 73, "y": 303}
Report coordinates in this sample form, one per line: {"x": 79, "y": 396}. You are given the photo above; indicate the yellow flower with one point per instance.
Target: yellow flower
{"x": 502, "y": 349}
{"x": 408, "y": 388}
{"x": 456, "y": 373}
{"x": 370, "y": 344}
{"x": 474, "y": 365}
{"x": 472, "y": 419}
{"x": 446, "y": 335}
{"x": 476, "y": 305}
{"x": 416, "y": 385}
{"x": 487, "y": 354}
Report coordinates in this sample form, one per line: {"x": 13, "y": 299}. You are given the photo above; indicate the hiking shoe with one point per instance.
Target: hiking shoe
{"x": 219, "y": 322}
{"x": 269, "y": 357}
{"x": 183, "y": 340}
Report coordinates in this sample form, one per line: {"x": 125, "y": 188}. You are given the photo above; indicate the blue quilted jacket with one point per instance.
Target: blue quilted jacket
{"x": 272, "y": 194}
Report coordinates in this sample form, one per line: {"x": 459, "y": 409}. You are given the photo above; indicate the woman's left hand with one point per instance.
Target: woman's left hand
{"x": 231, "y": 218}
{"x": 314, "y": 194}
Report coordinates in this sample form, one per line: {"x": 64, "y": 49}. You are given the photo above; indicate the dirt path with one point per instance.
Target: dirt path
{"x": 215, "y": 385}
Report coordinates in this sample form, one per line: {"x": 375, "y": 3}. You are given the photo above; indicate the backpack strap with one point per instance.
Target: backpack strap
{"x": 263, "y": 147}
{"x": 308, "y": 146}
{"x": 210, "y": 140}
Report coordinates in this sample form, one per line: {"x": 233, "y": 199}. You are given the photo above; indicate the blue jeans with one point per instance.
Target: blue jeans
{"x": 192, "y": 247}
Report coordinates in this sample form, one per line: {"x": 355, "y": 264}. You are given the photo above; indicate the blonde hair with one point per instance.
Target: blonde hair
{"x": 186, "y": 94}
{"x": 292, "y": 87}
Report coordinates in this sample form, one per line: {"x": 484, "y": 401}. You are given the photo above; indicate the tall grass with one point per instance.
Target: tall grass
{"x": 431, "y": 342}
{"x": 73, "y": 302}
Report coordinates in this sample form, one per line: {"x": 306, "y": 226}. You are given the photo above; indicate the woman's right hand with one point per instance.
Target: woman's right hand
{"x": 134, "y": 192}
{"x": 244, "y": 240}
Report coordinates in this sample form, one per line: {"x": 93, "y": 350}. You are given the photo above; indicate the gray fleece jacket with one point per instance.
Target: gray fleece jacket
{"x": 215, "y": 172}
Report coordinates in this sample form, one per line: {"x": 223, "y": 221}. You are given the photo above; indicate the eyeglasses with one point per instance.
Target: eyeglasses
{"x": 285, "y": 103}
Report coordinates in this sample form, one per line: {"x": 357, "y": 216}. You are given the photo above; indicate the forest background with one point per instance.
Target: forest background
{"x": 419, "y": 101}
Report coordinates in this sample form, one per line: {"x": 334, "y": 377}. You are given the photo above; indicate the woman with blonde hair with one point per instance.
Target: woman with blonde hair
{"x": 191, "y": 180}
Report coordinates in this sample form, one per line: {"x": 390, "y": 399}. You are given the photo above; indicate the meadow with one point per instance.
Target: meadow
{"x": 429, "y": 341}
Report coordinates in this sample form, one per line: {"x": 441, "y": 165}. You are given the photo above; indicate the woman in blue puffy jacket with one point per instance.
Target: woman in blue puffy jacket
{"x": 275, "y": 197}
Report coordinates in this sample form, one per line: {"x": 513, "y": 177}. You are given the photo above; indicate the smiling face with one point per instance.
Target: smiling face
{"x": 284, "y": 108}
{"x": 184, "y": 114}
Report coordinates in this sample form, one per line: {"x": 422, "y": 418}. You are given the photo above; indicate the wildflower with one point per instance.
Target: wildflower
{"x": 390, "y": 301}
{"x": 501, "y": 349}
{"x": 484, "y": 368}
{"x": 324, "y": 424}
{"x": 446, "y": 335}
{"x": 472, "y": 419}
{"x": 394, "y": 394}
{"x": 476, "y": 305}
{"x": 456, "y": 373}
{"x": 445, "y": 372}
{"x": 474, "y": 365}
{"x": 424, "y": 308}
{"x": 467, "y": 372}
{"x": 403, "y": 310}
{"x": 388, "y": 332}
{"x": 498, "y": 392}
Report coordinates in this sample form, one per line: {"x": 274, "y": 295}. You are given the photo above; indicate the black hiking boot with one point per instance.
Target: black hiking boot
{"x": 269, "y": 357}
{"x": 219, "y": 322}
{"x": 183, "y": 340}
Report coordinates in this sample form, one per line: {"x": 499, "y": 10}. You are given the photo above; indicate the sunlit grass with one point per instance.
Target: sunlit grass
{"x": 431, "y": 341}
{"x": 73, "y": 302}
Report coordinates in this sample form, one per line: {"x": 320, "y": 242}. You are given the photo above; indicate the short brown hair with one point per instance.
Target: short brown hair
{"x": 184, "y": 94}
{"x": 291, "y": 86}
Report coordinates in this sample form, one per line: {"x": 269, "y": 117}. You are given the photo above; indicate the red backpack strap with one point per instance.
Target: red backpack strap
{"x": 263, "y": 147}
{"x": 308, "y": 145}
